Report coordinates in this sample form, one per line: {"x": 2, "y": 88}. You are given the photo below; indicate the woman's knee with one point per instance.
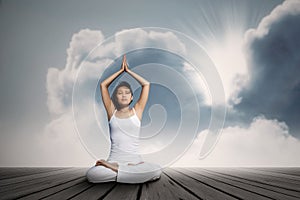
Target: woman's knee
{"x": 91, "y": 174}
{"x": 98, "y": 174}
{"x": 139, "y": 173}
{"x": 158, "y": 172}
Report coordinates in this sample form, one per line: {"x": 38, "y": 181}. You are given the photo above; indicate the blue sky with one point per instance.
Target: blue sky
{"x": 252, "y": 44}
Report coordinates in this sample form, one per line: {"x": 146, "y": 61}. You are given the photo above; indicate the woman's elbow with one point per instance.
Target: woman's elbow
{"x": 103, "y": 85}
{"x": 146, "y": 84}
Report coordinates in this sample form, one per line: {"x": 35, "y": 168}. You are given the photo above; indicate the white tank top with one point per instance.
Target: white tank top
{"x": 124, "y": 137}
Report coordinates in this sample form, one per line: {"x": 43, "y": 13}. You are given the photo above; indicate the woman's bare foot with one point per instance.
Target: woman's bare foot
{"x": 99, "y": 162}
{"x": 113, "y": 166}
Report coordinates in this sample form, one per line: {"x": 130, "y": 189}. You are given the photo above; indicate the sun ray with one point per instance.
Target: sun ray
{"x": 219, "y": 27}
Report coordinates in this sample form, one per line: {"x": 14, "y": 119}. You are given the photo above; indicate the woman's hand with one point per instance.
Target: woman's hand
{"x": 126, "y": 69}
{"x": 124, "y": 63}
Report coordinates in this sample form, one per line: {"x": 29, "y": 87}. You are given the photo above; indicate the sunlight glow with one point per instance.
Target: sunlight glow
{"x": 229, "y": 58}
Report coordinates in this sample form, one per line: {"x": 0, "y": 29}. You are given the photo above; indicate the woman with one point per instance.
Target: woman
{"x": 124, "y": 163}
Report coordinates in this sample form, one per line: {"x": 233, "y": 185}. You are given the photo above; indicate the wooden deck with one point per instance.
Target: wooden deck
{"x": 175, "y": 183}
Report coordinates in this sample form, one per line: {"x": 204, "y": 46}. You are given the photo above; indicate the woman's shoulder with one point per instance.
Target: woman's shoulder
{"x": 138, "y": 112}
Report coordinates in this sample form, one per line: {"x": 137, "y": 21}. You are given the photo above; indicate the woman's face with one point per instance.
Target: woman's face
{"x": 124, "y": 96}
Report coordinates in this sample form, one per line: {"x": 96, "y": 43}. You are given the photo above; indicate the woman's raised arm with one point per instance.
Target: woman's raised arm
{"x": 141, "y": 103}
{"x": 108, "y": 104}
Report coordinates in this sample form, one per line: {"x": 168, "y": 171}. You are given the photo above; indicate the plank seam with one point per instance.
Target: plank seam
{"x": 107, "y": 192}
{"x": 62, "y": 190}
{"x": 139, "y": 191}
{"x": 80, "y": 192}
{"x": 283, "y": 173}
{"x": 211, "y": 186}
{"x": 190, "y": 191}
{"x": 233, "y": 186}
{"x": 257, "y": 171}
{"x": 52, "y": 187}
{"x": 36, "y": 178}
{"x": 278, "y": 172}
{"x": 209, "y": 171}
{"x": 53, "y": 170}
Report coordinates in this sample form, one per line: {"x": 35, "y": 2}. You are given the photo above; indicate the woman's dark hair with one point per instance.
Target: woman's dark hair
{"x": 114, "y": 95}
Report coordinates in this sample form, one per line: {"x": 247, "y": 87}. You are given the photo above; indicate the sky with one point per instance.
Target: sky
{"x": 224, "y": 80}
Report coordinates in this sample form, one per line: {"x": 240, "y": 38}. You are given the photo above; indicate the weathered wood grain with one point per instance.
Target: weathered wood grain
{"x": 175, "y": 183}
{"x": 261, "y": 190}
{"x": 165, "y": 188}
{"x": 21, "y": 189}
{"x": 276, "y": 184}
{"x": 96, "y": 192}
{"x": 201, "y": 190}
{"x": 11, "y": 172}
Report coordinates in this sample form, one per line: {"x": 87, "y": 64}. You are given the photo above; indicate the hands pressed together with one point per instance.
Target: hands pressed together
{"x": 124, "y": 66}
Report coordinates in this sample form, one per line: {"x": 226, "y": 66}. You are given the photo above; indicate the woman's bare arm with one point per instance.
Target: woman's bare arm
{"x": 108, "y": 104}
{"x": 141, "y": 103}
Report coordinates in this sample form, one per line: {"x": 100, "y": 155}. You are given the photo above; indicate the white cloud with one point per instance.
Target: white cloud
{"x": 80, "y": 46}
{"x": 273, "y": 63}
{"x": 60, "y": 144}
{"x": 60, "y": 136}
{"x": 137, "y": 38}
{"x": 230, "y": 60}
{"x": 60, "y": 82}
{"x": 289, "y": 7}
{"x": 264, "y": 143}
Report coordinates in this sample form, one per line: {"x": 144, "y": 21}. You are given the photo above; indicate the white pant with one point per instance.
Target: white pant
{"x": 126, "y": 173}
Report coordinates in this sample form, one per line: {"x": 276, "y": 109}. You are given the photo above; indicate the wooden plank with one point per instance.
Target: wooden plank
{"x": 199, "y": 189}
{"x": 52, "y": 190}
{"x": 263, "y": 179}
{"x": 253, "y": 184}
{"x": 243, "y": 186}
{"x": 124, "y": 191}
{"x": 287, "y": 177}
{"x": 12, "y": 172}
{"x": 295, "y": 171}
{"x": 165, "y": 188}
{"x": 36, "y": 185}
{"x": 279, "y": 180}
{"x": 222, "y": 186}
{"x": 9, "y": 184}
{"x": 96, "y": 192}
{"x": 32, "y": 177}
{"x": 71, "y": 191}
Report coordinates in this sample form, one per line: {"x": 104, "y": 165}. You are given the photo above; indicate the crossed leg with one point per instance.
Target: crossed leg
{"x": 105, "y": 171}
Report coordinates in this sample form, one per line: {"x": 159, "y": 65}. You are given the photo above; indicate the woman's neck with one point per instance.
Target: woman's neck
{"x": 125, "y": 109}
{"x": 124, "y": 112}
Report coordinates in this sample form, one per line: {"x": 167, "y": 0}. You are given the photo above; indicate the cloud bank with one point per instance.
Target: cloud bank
{"x": 264, "y": 143}
{"x": 273, "y": 61}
